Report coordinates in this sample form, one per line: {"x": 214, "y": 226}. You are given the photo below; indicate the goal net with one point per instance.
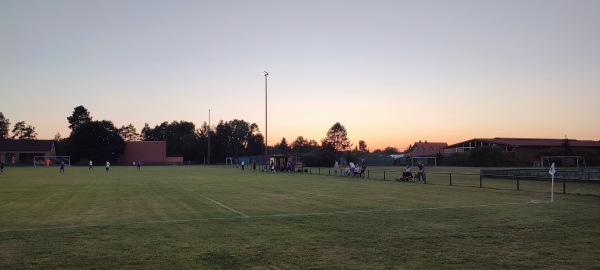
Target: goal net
{"x": 563, "y": 161}
{"x": 47, "y": 161}
{"x": 427, "y": 161}
{"x": 229, "y": 162}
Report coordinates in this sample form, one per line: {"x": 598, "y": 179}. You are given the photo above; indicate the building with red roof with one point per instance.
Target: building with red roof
{"x": 23, "y": 151}
{"x": 525, "y": 149}
{"x": 426, "y": 149}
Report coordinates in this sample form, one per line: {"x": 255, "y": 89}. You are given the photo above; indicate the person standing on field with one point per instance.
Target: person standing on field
{"x": 90, "y": 167}
{"x": 107, "y": 166}
{"x": 243, "y": 165}
{"x": 363, "y": 168}
{"x": 139, "y": 165}
{"x": 421, "y": 172}
{"x": 62, "y": 167}
{"x": 336, "y": 167}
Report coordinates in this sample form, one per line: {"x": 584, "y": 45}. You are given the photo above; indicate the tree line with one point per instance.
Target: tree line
{"x": 101, "y": 140}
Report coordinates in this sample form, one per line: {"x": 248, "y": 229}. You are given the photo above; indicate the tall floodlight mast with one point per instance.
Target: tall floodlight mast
{"x": 266, "y": 127}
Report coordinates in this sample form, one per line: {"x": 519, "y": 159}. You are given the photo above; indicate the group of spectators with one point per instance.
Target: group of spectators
{"x": 273, "y": 167}
{"x": 407, "y": 173}
{"x": 289, "y": 167}
{"x": 351, "y": 169}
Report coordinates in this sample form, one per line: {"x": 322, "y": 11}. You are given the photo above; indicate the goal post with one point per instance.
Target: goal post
{"x": 47, "y": 161}
{"x": 563, "y": 161}
{"x": 427, "y": 161}
{"x": 229, "y": 162}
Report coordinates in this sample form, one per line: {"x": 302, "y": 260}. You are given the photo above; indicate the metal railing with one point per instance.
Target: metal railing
{"x": 528, "y": 181}
{"x": 568, "y": 182}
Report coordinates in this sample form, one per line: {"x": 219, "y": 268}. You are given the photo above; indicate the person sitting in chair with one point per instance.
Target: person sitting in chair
{"x": 406, "y": 174}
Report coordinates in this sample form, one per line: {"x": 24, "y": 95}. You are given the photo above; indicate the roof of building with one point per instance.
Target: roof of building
{"x": 426, "y": 148}
{"x": 532, "y": 142}
{"x": 26, "y": 145}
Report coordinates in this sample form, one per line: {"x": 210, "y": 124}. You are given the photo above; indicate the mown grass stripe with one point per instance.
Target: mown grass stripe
{"x": 243, "y": 216}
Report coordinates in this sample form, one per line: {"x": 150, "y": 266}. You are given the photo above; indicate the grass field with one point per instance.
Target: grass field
{"x": 196, "y": 217}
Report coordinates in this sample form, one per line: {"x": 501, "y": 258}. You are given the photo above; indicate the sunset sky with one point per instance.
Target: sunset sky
{"x": 392, "y": 72}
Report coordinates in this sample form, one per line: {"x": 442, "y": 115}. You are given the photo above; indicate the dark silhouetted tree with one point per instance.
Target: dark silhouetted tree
{"x": 96, "y": 140}
{"x": 80, "y": 116}
{"x": 282, "y": 147}
{"x": 390, "y": 150}
{"x": 4, "y": 126}
{"x": 128, "y": 133}
{"x": 362, "y": 146}
{"x": 337, "y": 137}
{"x": 256, "y": 141}
{"x": 22, "y": 131}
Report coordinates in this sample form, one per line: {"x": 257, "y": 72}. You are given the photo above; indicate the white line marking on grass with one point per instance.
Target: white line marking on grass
{"x": 218, "y": 203}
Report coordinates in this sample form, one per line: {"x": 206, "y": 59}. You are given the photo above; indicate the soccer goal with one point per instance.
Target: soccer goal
{"x": 427, "y": 161}
{"x": 229, "y": 162}
{"x": 563, "y": 161}
{"x": 47, "y": 161}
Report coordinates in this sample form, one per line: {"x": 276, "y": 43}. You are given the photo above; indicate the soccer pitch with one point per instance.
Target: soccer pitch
{"x": 195, "y": 217}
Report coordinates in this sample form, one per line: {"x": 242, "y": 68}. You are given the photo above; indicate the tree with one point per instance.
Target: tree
{"x": 128, "y": 133}
{"x": 24, "y": 132}
{"x": 96, "y": 140}
{"x": 202, "y": 142}
{"x": 337, "y": 137}
{"x": 236, "y": 137}
{"x": 222, "y": 141}
{"x": 154, "y": 134}
{"x": 241, "y": 133}
{"x": 298, "y": 144}
{"x": 282, "y": 147}
{"x": 80, "y": 116}
{"x": 4, "y": 125}
{"x": 180, "y": 136}
{"x": 390, "y": 150}
{"x": 362, "y": 146}
{"x": 256, "y": 141}
{"x": 302, "y": 145}
{"x": 181, "y": 139}
{"x": 17, "y": 130}
{"x": 60, "y": 145}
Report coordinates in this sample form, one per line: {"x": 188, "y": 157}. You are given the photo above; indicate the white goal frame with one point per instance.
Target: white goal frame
{"x": 414, "y": 161}
{"x": 229, "y": 162}
{"x": 40, "y": 161}
{"x": 576, "y": 161}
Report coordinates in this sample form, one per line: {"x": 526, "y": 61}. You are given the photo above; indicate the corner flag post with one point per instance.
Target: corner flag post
{"x": 551, "y": 172}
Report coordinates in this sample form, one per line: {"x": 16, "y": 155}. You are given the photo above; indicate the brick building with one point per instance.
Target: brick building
{"x": 426, "y": 149}
{"x": 148, "y": 153}
{"x": 23, "y": 151}
{"x": 525, "y": 149}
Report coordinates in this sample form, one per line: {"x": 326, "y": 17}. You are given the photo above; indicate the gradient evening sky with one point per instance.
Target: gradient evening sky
{"x": 391, "y": 72}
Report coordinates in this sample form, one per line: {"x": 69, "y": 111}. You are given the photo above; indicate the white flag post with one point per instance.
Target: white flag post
{"x": 551, "y": 172}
